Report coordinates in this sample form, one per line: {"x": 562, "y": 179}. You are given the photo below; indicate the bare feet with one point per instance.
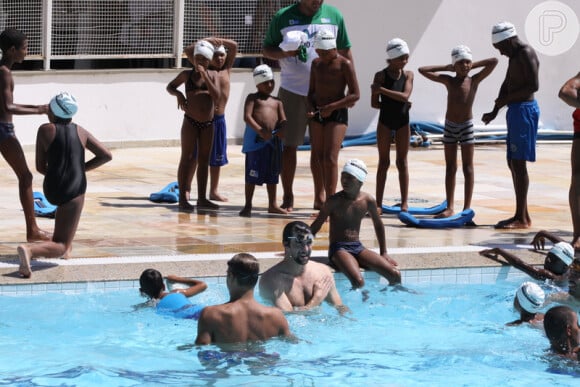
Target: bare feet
{"x": 576, "y": 243}
{"x": 38, "y": 236}
{"x": 276, "y": 210}
{"x": 246, "y": 212}
{"x": 512, "y": 224}
{"x": 288, "y": 203}
{"x": 24, "y": 255}
{"x": 217, "y": 197}
{"x": 318, "y": 205}
{"x": 445, "y": 213}
{"x": 186, "y": 207}
{"x": 206, "y": 204}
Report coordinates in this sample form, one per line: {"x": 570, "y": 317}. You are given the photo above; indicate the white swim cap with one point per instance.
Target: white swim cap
{"x": 64, "y": 105}
{"x": 531, "y": 297}
{"x": 397, "y": 47}
{"x": 263, "y": 73}
{"x": 204, "y": 48}
{"x": 461, "y": 53}
{"x": 293, "y": 40}
{"x": 220, "y": 50}
{"x": 502, "y": 31}
{"x": 563, "y": 251}
{"x": 324, "y": 40}
{"x": 356, "y": 168}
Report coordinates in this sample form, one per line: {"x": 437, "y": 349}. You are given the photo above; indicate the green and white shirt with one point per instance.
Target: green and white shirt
{"x": 295, "y": 74}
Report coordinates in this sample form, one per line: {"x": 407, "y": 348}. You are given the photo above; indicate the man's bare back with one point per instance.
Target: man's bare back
{"x": 242, "y": 318}
{"x": 241, "y": 321}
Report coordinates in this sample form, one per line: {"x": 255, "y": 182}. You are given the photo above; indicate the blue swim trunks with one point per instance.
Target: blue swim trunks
{"x": 218, "y": 156}
{"x": 353, "y": 248}
{"x": 6, "y": 130}
{"x": 522, "y": 124}
{"x": 263, "y": 165}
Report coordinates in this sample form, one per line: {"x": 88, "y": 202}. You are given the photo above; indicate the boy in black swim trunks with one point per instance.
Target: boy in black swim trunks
{"x": 391, "y": 90}
{"x": 346, "y": 210}
{"x": 14, "y": 46}
{"x": 330, "y": 75}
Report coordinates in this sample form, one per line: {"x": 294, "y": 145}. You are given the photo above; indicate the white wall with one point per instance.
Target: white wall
{"x": 128, "y": 106}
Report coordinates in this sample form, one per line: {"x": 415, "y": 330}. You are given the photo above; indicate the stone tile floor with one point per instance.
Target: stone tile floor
{"x": 121, "y": 232}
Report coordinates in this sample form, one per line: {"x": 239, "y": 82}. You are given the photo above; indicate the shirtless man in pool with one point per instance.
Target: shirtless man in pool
{"x": 242, "y": 318}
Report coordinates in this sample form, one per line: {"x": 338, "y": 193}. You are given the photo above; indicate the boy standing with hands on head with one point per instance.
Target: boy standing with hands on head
{"x": 461, "y": 90}
{"x": 201, "y": 90}
{"x": 264, "y": 117}
{"x": 14, "y": 46}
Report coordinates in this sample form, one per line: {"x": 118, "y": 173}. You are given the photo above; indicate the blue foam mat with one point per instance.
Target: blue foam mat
{"x": 42, "y": 207}
{"x": 455, "y": 221}
{"x": 169, "y": 194}
{"x": 395, "y": 209}
{"x": 426, "y": 127}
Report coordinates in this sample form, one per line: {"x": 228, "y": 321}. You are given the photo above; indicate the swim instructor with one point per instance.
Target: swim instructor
{"x": 289, "y": 40}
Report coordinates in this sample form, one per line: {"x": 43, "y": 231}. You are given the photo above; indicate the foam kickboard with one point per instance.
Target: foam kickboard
{"x": 395, "y": 209}
{"x": 455, "y": 221}
{"x": 169, "y": 194}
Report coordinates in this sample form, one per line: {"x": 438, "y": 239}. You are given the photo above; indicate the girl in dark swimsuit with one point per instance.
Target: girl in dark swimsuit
{"x": 60, "y": 157}
{"x": 391, "y": 90}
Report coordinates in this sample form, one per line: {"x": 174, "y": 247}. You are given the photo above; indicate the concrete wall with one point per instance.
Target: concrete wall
{"x": 127, "y": 106}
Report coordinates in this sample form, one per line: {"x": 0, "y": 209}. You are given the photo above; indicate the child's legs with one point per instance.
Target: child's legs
{"x": 574, "y": 193}
{"x": 384, "y": 139}
{"x": 316, "y": 130}
{"x": 450, "y": 150}
{"x": 333, "y": 135}
{"x": 467, "y": 151}
{"x": 368, "y": 259}
{"x": 203, "y": 152}
{"x": 287, "y": 174}
{"x": 347, "y": 264}
{"x": 402, "y": 143}
{"x": 249, "y": 194}
{"x": 189, "y": 141}
{"x": 66, "y": 222}
{"x": 14, "y": 155}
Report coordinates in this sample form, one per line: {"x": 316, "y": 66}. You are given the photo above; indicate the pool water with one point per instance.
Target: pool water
{"x": 444, "y": 335}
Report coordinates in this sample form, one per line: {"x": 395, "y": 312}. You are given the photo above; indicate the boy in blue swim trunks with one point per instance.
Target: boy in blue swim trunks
{"x": 461, "y": 90}
{"x": 517, "y": 93}
{"x": 346, "y": 210}
{"x": 264, "y": 117}
{"x": 175, "y": 302}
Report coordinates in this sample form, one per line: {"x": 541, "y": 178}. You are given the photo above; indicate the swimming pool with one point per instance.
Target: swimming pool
{"x": 447, "y": 334}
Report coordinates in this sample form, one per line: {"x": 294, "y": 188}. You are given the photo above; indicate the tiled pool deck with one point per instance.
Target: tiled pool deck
{"x": 122, "y": 232}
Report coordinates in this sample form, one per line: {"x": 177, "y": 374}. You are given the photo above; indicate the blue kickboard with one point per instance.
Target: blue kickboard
{"x": 42, "y": 207}
{"x": 169, "y": 194}
{"x": 454, "y": 221}
{"x": 416, "y": 210}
